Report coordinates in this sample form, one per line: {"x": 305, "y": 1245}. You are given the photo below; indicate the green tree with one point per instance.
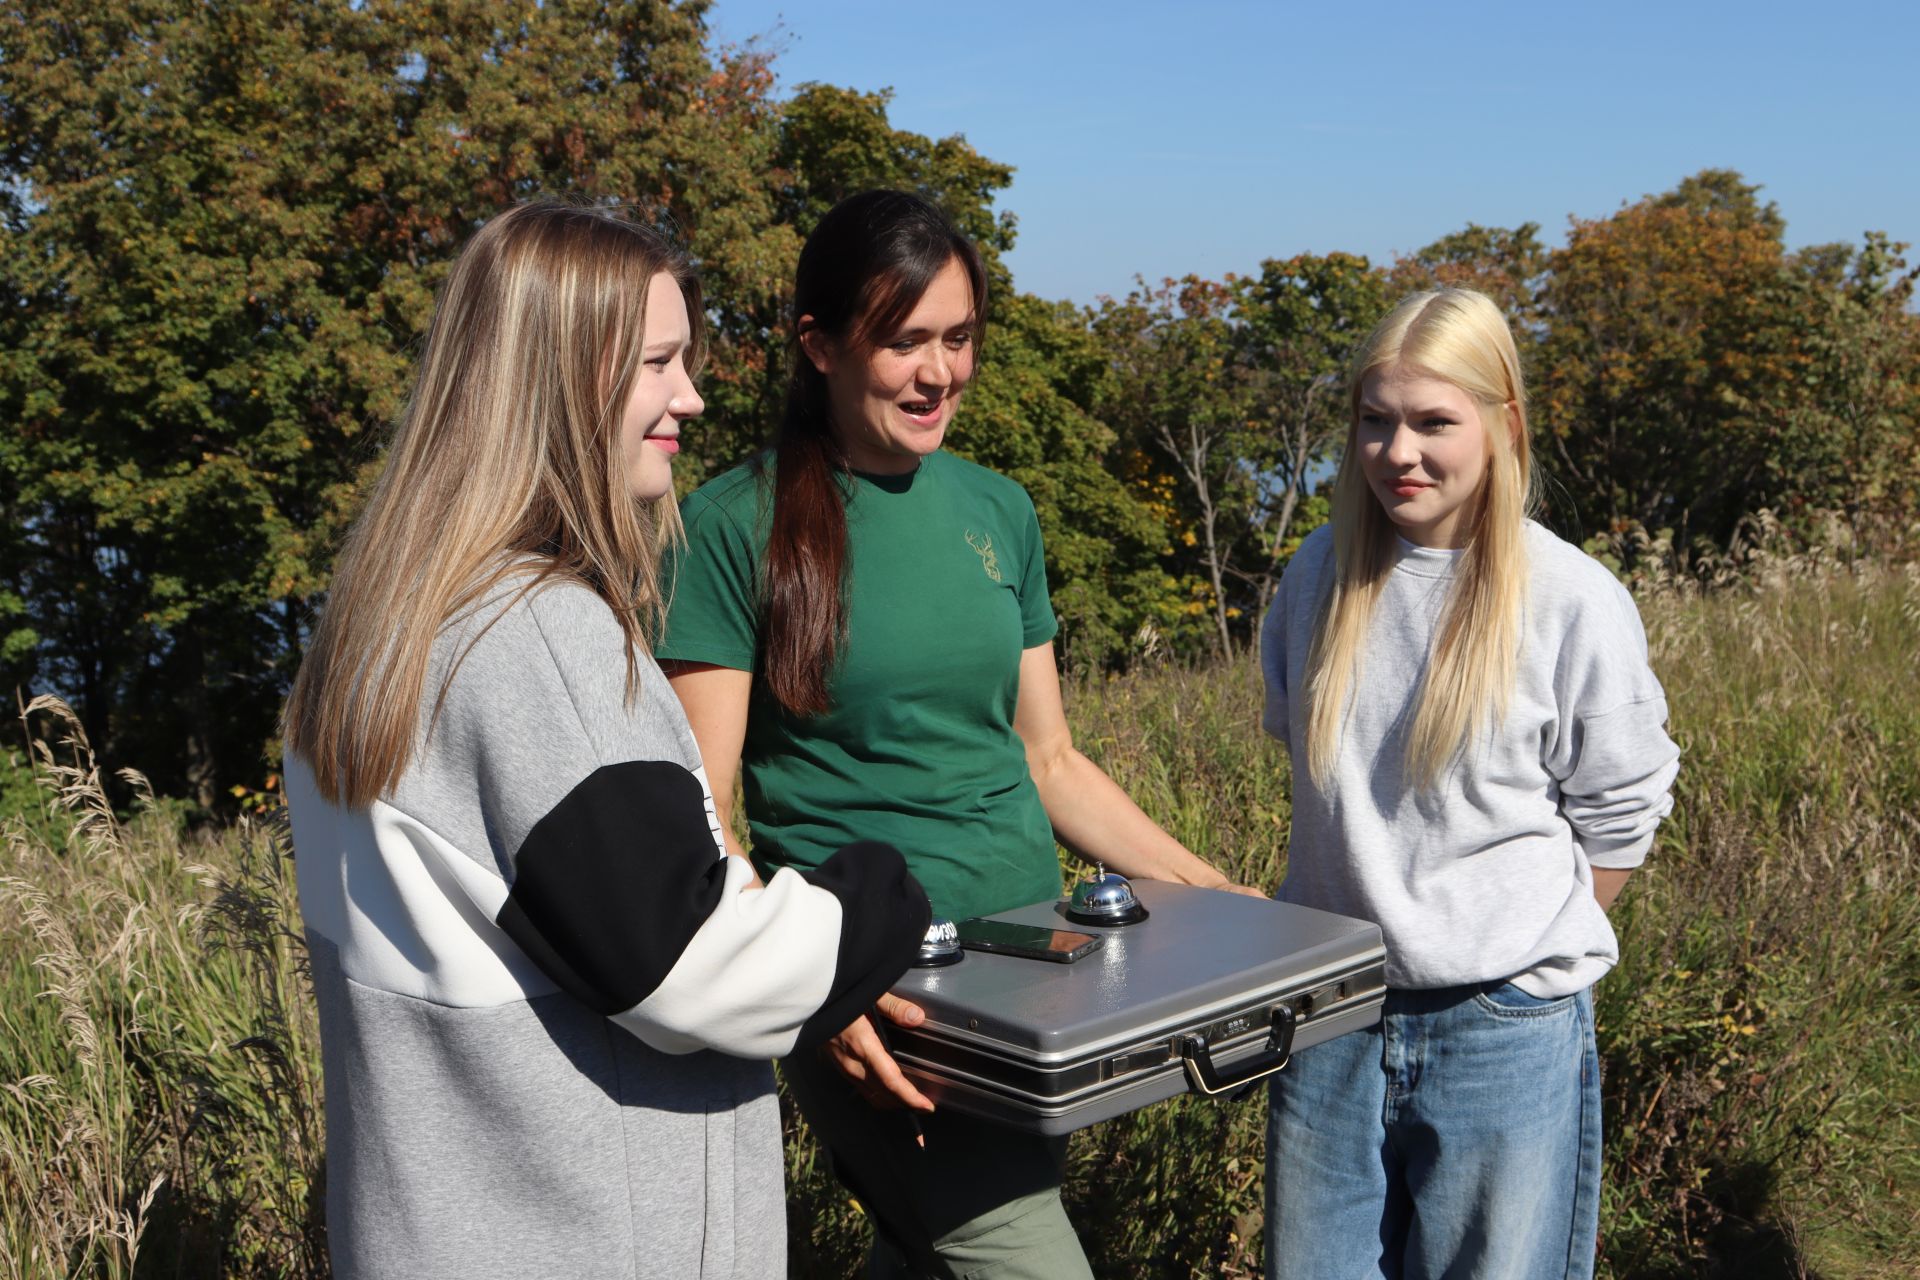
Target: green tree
{"x": 1300, "y": 320}
{"x": 222, "y": 228}
{"x": 1692, "y": 371}
{"x": 1179, "y": 392}
{"x": 1233, "y": 389}
{"x": 1507, "y": 264}
{"x": 1850, "y": 422}
{"x": 1030, "y": 416}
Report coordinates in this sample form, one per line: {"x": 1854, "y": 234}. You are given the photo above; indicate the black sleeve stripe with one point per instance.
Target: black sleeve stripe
{"x": 883, "y": 917}
{"x": 613, "y": 882}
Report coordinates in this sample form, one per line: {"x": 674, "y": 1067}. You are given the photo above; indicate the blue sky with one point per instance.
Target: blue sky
{"x": 1165, "y": 138}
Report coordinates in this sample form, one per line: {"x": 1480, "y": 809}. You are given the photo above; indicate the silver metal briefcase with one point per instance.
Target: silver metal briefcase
{"x": 1211, "y": 991}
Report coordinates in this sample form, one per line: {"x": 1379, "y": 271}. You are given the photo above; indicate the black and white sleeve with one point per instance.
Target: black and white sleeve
{"x": 617, "y": 885}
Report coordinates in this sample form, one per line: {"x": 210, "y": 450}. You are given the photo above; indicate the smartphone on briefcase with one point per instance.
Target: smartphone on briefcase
{"x": 1027, "y": 941}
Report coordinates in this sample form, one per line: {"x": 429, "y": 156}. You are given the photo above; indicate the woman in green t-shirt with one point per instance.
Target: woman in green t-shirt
{"x": 860, "y": 629}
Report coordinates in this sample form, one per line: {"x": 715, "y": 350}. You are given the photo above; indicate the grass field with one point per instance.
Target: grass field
{"x": 159, "y": 1090}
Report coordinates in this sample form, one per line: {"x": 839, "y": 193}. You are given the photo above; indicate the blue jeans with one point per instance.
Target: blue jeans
{"x": 1460, "y": 1137}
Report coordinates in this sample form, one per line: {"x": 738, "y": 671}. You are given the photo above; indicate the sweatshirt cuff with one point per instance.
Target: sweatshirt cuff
{"x": 1624, "y": 855}
{"x": 884, "y": 915}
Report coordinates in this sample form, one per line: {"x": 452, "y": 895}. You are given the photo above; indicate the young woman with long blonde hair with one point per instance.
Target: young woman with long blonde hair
{"x": 1479, "y": 762}
{"x": 547, "y": 994}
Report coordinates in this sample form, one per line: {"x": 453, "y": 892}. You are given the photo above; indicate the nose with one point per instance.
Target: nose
{"x": 1402, "y": 447}
{"x": 686, "y": 402}
{"x": 936, "y": 369}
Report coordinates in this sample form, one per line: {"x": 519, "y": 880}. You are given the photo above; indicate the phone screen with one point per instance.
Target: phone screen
{"x": 1034, "y": 942}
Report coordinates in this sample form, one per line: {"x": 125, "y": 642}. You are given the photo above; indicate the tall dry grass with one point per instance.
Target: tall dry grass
{"x": 1760, "y": 1034}
{"x": 158, "y": 1076}
{"x": 159, "y": 1099}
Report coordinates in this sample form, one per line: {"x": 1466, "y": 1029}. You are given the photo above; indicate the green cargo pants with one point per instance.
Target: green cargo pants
{"x": 979, "y": 1202}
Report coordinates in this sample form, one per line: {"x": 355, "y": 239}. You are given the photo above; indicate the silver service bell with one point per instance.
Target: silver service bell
{"x": 1105, "y": 899}
{"x": 940, "y": 947}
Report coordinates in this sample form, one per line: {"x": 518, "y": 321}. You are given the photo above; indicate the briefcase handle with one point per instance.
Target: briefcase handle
{"x": 1212, "y": 1081}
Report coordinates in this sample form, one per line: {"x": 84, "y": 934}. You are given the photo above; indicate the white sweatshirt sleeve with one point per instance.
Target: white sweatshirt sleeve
{"x": 1611, "y": 756}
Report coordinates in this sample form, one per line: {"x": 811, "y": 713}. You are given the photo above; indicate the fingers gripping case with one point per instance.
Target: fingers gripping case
{"x": 1210, "y": 991}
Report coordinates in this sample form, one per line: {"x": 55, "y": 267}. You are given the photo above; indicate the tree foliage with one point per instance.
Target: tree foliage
{"x": 221, "y": 229}
{"x": 226, "y": 226}
{"x": 1302, "y": 318}
{"x": 1691, "y": 370}
{"x": 1029, "y": 416}
{"x": 1229, "y": 395}
{"x": 1184, "y": 409}
{"x": 1506, "y": 264}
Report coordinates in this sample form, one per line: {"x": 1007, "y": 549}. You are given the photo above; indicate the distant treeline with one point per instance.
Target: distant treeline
{"x": 221, "y": 228}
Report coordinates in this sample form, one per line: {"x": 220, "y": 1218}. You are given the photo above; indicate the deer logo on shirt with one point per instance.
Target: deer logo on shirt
{"x": 983, "y": 544}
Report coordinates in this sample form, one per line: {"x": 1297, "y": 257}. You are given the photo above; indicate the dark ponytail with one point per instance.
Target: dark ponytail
{"x": 861, "y": 273}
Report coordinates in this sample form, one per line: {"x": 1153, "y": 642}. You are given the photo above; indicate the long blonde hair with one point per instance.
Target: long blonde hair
{"x": 507, "y": 458}
{"x": 1458, "y": 336}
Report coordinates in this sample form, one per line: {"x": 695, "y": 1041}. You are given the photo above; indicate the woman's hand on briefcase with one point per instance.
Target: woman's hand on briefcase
{"x": 861, "y": 1054}
{"x": 1224, "y": 885}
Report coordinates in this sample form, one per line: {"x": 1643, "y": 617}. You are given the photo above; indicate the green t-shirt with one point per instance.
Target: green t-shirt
{"x": 946, "y": 587}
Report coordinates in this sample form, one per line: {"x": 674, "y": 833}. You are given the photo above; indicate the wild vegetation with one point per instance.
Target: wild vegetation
{"x": 160, "y": 1098}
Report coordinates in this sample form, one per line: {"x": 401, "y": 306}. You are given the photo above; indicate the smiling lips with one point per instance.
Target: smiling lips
{"x": 667, "y": 444}
{"x": 1402, "y": 487}
{"x": 924, "y": 412}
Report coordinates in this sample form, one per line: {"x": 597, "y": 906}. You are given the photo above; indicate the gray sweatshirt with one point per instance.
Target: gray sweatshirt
{"x": 1489, "y": 876}
{"x": 546, "y": 1002}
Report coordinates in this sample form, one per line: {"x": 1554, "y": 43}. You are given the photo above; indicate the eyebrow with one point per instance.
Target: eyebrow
{"x": 904, "y": 332}
{"x": 1429, "y": 411}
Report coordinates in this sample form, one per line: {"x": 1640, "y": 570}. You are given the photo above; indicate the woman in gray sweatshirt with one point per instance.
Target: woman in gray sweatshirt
{"x": 547, "y": 994}
{"x": 1479, "y": 762}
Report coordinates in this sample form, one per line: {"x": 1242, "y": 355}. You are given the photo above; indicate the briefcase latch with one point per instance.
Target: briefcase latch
{"x": 1209, "y": 1079}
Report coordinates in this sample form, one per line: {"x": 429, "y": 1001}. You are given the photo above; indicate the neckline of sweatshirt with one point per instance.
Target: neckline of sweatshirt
{"x": 1427, "y": 562}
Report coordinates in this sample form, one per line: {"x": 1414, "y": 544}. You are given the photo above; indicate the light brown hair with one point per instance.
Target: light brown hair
{"x": 507, "y": 462}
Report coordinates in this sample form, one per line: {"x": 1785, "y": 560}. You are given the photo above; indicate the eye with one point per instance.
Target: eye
{"x": 904, "y": 347}
{"x": 959, "y": 340}
{"x": 1435, "y": 422}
